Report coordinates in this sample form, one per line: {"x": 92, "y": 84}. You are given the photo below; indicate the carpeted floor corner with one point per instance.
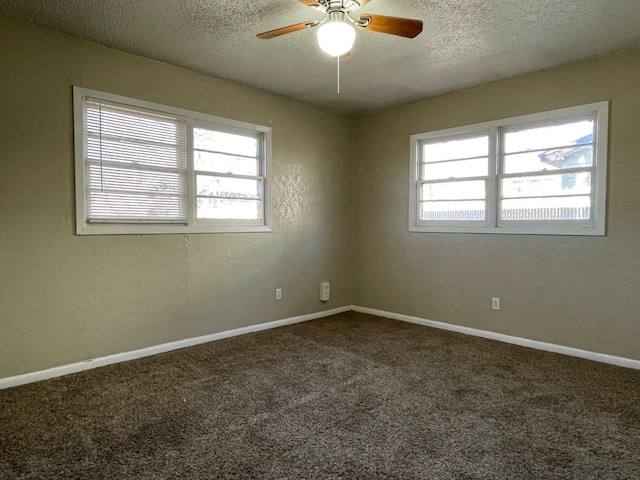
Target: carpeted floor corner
{"x": 351, "y": 396}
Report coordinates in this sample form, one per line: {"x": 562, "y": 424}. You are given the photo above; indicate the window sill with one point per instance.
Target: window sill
{"x": 122, "y": 229}
{"x": 542, "y": 230}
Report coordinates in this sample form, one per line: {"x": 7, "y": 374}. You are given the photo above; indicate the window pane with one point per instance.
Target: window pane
{"x": 547, "y": 185}
{"x": 558, "y": 159}
{"x": 571, "y": 157}
{"x": 213, "y": 141}
{"x": 223, "y": 208}
{"x": 554, "y": 196}
{"x": 564, "y": 208}
{"x": 474, "y": 190}
{"x": 456, "y": 169}
{"x": 221, "y": 163}
{"x": 454, "y": 149}
{"x": 228, "y": 187}
{"x": 451, "y": 211}
{"x": 574, "y": 132}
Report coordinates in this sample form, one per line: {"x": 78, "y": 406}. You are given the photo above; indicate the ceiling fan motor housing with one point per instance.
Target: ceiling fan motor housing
{"x": 345, "y": 6}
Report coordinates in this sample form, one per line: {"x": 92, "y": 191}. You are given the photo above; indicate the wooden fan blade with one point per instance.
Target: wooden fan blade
{"x": 403, "y": 27}
{"x": 362, "y": 2}
{"x": 284, "y": 30}
{"x": 314, "y": 4}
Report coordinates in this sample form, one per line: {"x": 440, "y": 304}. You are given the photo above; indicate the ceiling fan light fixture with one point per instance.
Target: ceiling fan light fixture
{"x": 336, "y": 37}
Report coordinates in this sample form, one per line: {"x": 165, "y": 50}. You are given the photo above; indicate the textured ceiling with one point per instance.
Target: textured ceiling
{"x": 464, "y": 43}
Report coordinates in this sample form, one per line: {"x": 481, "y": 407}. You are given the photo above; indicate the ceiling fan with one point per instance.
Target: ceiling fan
{"x": 336, "y": 33}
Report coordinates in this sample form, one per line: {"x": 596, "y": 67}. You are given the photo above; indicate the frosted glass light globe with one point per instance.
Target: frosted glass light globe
{"x": 336, "y": 38}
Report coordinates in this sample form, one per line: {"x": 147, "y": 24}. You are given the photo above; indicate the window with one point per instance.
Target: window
{"x": 148, "y": 168}
{"x": 536, "y": 174}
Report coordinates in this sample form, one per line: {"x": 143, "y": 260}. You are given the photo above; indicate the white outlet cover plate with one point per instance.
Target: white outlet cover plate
{"x": 495, "y": 303}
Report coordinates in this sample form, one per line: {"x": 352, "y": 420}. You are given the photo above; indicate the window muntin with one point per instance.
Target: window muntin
{"x": 545, "y": 137}
{"x": 149, "y": 168}
{"x": 543, "y": 173}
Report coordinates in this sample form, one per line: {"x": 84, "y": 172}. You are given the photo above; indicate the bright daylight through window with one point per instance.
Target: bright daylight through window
{"x": 149, "y": 168}
{"x": 540, "y": 174}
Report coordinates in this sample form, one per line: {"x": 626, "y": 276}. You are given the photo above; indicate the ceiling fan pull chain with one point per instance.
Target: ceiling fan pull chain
{"x": 338, "y": 74}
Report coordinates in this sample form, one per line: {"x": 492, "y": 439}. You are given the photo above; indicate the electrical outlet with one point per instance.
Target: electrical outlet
{"x": 325, "y": 291}
{"x": 278, "y": 294}
{"x": 495, "y": 303}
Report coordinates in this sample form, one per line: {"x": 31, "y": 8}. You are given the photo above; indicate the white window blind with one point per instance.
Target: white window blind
{"x": 136, "y": 165}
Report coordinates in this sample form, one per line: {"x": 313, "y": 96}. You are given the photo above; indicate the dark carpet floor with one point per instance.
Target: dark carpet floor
{"x": 351, "y": 396}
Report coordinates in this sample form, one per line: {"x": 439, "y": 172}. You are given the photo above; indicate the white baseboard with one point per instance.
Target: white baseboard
{"x": 62, "y": 370}
{"x": 189, "y": 342}
{"x": 524, "y": 342}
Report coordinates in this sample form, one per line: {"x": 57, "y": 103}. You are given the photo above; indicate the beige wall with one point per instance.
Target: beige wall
{"x": 583, "y": 292}
{"x": 66, "y": 298}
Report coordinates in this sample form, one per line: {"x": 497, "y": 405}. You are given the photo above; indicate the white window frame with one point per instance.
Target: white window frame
{"x": 492, "y": 223}
{"x": 193, "y": 119}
